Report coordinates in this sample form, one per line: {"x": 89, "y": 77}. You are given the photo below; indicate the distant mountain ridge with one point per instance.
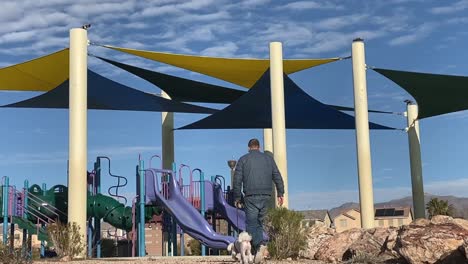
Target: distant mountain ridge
{"x": 459, "y": 203}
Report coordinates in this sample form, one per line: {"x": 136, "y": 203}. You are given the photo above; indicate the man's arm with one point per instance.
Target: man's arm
{"x": 238, "y": 177}
{"x": 278, "y": 180}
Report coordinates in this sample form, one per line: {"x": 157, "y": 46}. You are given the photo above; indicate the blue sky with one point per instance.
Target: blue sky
{"x": 426, "y": 36}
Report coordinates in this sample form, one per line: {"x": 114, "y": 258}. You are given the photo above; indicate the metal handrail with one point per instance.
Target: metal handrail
{"x": 218, "y": 179}
{"x": 134, "y": 226}
{"x": 116, "y": 187}
{"x": 181, "y": 180}
{"x": 155, "y": 156}
{"x": 49, "y": 207}
{"x": 29, "y": 210}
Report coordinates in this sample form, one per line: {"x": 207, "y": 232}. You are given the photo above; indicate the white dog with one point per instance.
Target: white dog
{"x": 241, "y": 248}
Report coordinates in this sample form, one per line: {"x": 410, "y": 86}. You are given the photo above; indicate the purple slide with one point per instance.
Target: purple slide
{"x": 186, "y": 215}
{"x": 235, "y": 217}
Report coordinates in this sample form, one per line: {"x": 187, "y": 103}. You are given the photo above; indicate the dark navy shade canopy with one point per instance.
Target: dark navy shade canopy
{"x": 105, "y": 94}
{"x": 253, "y": 110}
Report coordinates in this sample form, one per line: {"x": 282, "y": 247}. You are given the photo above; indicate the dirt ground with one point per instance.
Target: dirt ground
{"x": 170, "y": 260}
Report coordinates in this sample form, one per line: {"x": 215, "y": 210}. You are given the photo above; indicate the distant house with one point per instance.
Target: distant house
{"x": 347, "y": 219}
{"x": 383, "y": 217}
{"x": 393, "y": 216}
{"x": 311, "y": 217}
{"x": 18, "y": 237}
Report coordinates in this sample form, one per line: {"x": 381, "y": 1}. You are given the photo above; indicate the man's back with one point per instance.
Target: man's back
{"x": 256, "y": 172}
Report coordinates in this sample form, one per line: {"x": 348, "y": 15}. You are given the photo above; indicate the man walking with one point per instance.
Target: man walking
{"x": 254, "y": 175}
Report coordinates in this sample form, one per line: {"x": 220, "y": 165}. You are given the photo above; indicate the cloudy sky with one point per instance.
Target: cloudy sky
{"x": 416, "y": 35}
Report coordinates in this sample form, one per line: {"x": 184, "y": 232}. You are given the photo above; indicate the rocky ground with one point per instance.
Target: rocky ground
{"x": 441, "y": 240}
{"x": 172, "y": 260}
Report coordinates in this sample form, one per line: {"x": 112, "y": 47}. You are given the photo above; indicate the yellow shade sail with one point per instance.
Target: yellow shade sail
{"x": 243, "y": 72}
{"x": 40, "y": 74}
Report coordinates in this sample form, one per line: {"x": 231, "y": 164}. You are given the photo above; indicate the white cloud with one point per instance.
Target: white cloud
{"x": 226, "y": 49}
{"x": 204, "y": 17}
{"x": 158, "y": 11}
{"x": 37, "y": 21}
{"x": 136, "y": 25}
{"x": 458, "y": 20}
{"x": 133, "y": 44}
{"x": 92, "y": 9}
{"x": 394, "y": 23}
{"x": 17, "y": 36}
{"x": 53, "y": 157}
{"x": 447, "y": 9}
{"x": 291, "y": 34}
{"x": 10, "y": 10}
{"x": 305, "y": 5}
{"x": 38, "y": 48}
{"x": 334, "y": 23}
{"x": 415, "y": 35}
{"x": 253, "y": 3}
{"x": 171, "y": 8}
{"x": 333, "y": 41}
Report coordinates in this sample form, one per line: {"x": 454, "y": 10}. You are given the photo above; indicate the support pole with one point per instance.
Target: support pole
{"x": 174, "y": 221}
{"x": 141, "y": 200}
{"x": 11, "y": 212}
{"x": 277, "y": 114}
{"x": 5, "y": 210}
{"x": 44, "y": 192}
{"x": 25, "y": 216}
{"x": 78, "y": 132}
{"x": 268, "y": 149}
{"x": 97, "y": 221}
{"x": 415, "y": 161}
{"x": 268, "y": 140}
{"x": 167, "y": 120}
{"x": 202, "y": 204}
{"x": 366, "y": 195}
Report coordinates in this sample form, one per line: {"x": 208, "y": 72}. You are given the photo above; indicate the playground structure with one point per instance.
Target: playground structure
{"x": 179, "y": 206}
{"x": 159, "y": 188}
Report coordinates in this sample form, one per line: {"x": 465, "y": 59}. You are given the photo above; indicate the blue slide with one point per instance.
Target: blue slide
{"x": 235, "y": 217}
{"x": 188, "y": 218}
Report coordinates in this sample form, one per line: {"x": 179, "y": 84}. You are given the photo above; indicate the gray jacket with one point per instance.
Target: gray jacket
{"x": 256, "y": 172}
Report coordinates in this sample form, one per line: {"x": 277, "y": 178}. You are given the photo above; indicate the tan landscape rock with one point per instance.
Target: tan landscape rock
{"x": 439, "y": 241}
{"x": 373, "y": 243}
{"x": 465, "y": 247}
{"x": 318, "y": 234}
{"x": 333, "y": 249}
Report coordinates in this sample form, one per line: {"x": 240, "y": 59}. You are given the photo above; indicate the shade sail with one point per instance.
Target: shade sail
{"x": 243, "y": 72}
{"x": 253, "y": 110}
{"x": 105, "y": 94}
{"x": 347, "y": 108}
{"x": 181, "y": 89}
{"x": 41, "y": 74}
{"x": 185, "y": 90}
{"x": 435, "y": 94}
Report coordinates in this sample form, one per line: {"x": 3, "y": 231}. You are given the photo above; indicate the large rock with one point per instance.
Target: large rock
{"x": 465, "y": 247}
{"x": 318, "y": 234}
{"x": 333, "y": 249}
{"x": 374, "y": 242}
{"x": 439, "y": 241}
